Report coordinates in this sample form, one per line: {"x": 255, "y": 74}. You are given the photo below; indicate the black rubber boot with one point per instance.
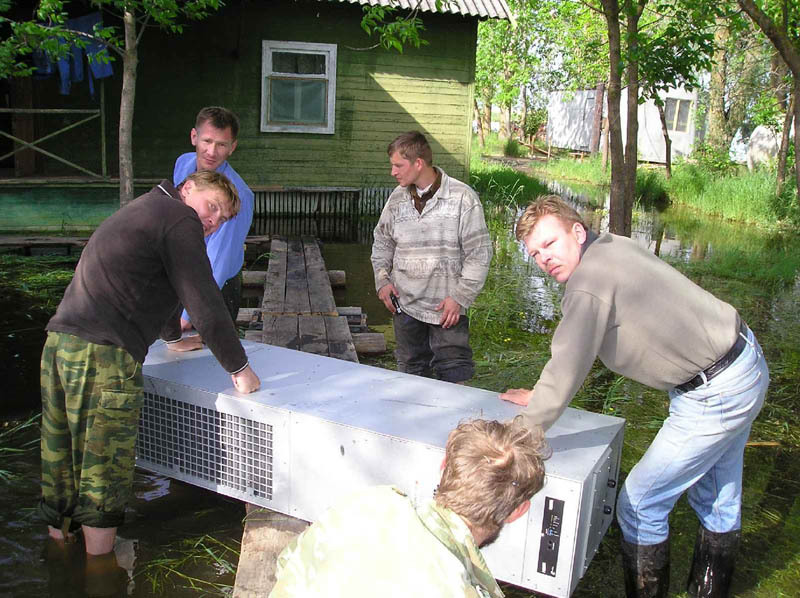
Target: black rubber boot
{"x": 646, "y": 569}
{"x": 712, "y": 565}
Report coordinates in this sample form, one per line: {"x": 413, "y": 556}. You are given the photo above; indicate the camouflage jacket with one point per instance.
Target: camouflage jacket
{"x": 377, "y": 544}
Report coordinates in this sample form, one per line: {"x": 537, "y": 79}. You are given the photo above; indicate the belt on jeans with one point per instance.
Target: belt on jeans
{"x": 718, "y": 366}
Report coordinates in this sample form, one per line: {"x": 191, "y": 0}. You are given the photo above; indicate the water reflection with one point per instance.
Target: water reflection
{"x": 649, "y": 228}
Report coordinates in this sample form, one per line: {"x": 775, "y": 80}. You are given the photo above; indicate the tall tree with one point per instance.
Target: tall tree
{"x": 49, "y": 23}
{"x": 739, "y": 69}
{"x": 786, "y": 40}
{"x": 650, "y": 32}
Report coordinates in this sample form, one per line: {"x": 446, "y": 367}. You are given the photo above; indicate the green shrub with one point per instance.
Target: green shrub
{"x": 513, "y": 149}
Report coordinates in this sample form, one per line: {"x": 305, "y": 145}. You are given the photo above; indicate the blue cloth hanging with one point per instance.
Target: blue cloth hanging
{"x": 70, "y": 67}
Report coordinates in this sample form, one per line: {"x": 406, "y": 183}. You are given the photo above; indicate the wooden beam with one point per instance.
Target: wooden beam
{"x": 266, "y": 534}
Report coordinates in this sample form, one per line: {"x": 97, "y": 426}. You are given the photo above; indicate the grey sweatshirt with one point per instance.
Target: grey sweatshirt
{"x": 641, "y": 317}
{"x": 445, "y": 251}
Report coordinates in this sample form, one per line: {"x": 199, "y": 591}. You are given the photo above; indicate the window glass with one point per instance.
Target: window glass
{"x": 683, "y": 116}
{"x": 293, "y": 101}
{"x": 669, "y": 112}
{"x": 298, "y": 64}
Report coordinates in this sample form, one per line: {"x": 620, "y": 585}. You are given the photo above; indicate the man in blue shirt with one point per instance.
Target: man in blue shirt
{"x": 214, "y": 137}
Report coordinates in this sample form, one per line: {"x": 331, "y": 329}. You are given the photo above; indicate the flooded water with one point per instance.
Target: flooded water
{"x": 165, "y": 515}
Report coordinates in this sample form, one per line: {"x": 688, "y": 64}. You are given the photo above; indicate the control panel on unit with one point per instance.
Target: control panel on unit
{"x": 551, "y": 536}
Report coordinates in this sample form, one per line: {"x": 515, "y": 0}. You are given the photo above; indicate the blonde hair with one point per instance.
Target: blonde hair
{"x": 410, "y": 146}
{"x": 491, "y": 468}
{"x": 210, "y": 179}
{"x": 547, "y": 205}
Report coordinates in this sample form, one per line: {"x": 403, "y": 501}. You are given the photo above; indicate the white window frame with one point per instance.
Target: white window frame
{"x": 329, "y": 50}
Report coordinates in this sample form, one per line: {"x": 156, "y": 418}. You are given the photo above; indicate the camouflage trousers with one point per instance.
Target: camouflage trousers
{"x": 91, "y": 397}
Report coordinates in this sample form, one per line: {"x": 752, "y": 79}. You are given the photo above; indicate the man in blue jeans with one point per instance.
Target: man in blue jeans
{"x": 648, "y": 322}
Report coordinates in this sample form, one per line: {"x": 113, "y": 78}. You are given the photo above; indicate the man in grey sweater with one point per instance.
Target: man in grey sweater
{"x": 430, "y": 258}
{"x": 648, "y": 322}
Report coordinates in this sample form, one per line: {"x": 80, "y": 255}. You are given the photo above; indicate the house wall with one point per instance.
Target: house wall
{"x": 650, "y": 138}
{"x": 570, "y": 116}
{"x": 569, "y": 119}
{"x": 217, "y": 61}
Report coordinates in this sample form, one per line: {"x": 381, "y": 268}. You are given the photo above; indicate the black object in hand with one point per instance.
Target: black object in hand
{"x": 395, "y": 302}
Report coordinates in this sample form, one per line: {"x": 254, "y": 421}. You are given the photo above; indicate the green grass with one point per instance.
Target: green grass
{"x": 499, "y": 185}
{"x": 736, "y": 195}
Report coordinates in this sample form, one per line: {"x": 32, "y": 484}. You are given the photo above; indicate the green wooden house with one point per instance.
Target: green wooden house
{"x": 318, "y": 104}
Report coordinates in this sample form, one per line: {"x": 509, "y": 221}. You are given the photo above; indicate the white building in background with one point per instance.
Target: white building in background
{"x": 570, "y": 116}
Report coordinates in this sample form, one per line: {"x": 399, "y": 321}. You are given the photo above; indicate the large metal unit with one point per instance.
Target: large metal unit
{"x": 321, "y": 428}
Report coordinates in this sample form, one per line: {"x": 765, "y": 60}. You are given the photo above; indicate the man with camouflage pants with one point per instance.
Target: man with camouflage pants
{"x": 377, "y": 543}
{"x": 139, "y": 267}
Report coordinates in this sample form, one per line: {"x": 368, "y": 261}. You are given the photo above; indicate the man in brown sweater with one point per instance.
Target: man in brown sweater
{"x": 139, "y": 267}
{"x": 648, "y": 322}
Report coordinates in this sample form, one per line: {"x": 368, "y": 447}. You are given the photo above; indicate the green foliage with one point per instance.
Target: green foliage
{"x": 713, "y": 160}
{"x": 493, "y": 146}
{"x": 766, "y": 110}
{"x": 403, "y": 30}
{"x": 651, "y": 188}
{"x": 43, "y": 31}
{"x": 534, "y": 119}
{"x": 513, "y": 149}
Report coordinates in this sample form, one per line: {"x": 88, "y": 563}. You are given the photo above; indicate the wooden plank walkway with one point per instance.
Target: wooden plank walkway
{"x": 297, "y": 312}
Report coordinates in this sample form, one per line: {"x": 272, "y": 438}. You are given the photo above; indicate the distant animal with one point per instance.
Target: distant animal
{"x": 762, "y": 147}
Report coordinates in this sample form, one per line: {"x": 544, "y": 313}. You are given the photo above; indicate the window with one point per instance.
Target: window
{"x": 298, "y": 92}
{"x": 677, "y": 114}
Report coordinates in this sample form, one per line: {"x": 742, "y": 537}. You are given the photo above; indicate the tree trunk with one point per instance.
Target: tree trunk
{"x": 129, "y": 64}
{"x": 487, "y": 116}
{"x": 597, "y": 119}
{"x": 505, "y": 123}
{"x": 777, "y": 74}
{"x": 633, "y": 13}
{"x": 667, "y": 142}
{"x": 616, "y": 216}
{"x": 524, "y": 123}
{"x": 481, "y": 134}
{"x": 784, "y": 149}
{"x": 717, "y": 119}
{"x": 795, "y": 98}
{"x": 791, "y": 57}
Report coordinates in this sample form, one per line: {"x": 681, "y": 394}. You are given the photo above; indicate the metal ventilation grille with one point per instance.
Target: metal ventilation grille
{"x": 206, "y": 445}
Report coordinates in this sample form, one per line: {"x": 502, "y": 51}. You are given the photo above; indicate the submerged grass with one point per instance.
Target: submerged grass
{"x": 15, "y": 440}
{"x": 30, "y": 290}
{"x": 187, "y": 563}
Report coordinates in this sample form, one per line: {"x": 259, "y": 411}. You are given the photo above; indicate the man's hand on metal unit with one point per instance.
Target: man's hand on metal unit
{"x": 451, "y": 312}
{"x": 520, "y": 396}
{"x": 385, "y": 295}
{"x": 246, "y": 381}
{"x": 187, "y": 343}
